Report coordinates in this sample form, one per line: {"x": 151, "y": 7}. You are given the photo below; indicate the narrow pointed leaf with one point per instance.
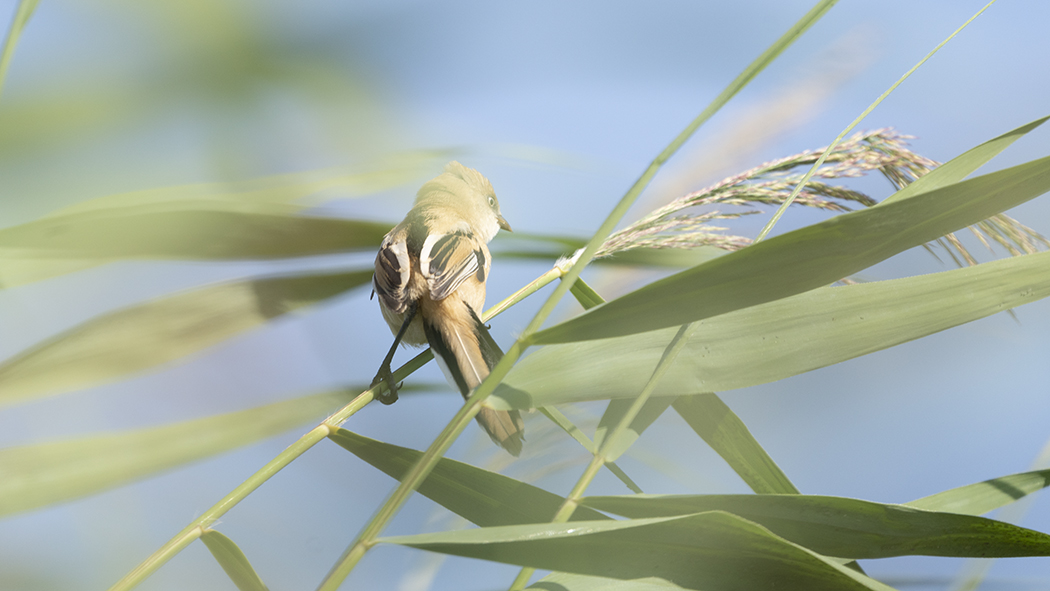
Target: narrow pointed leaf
{"x": 39, "y": 475}
{"x": 159, "y": 331}
{"x": 252, "y": 219}
{"x": 650, "y": 411}
{"x": 807, "y": 258}
{"x": 962, "y": 165}
{"x": 585, "y": 294}
{"x": 204, "y": 233}
{"x": 260, "y": 218}
{"x": 573, "y": 582}
{"x": 233, "y": 561}
{"x": 573, "y": 431}
{"x": 713, "y": 551}
{"x": 721, "y": 429}
{"x": 479, "y": 496}
{"x": 982, "y": 497}
{"x": 848, "y": 528}
{"x": 779, "y": 339}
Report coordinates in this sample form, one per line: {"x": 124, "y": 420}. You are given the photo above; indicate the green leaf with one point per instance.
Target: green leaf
{"x": 807, "y": 258}
{"x": 479, "y": 496}
{"x": 146, "y": 335}
{"x": 585, "y": 294}
{"x": 719, "y": 426}
{"x": 573, "y": 582}
{"x": 261, "y": 218}
{"x": 962, "y": 165}
{"x": 982, "y": 497}
{"x": 779, "y": 339}
{"x": 188, "y": 231}
{"x": 39, "y": 475}
{"x": 847, "y": 528}
{"x": 712, "y": 551}
{"x": 233, "y": 561}
{"x": 650, "y": 411}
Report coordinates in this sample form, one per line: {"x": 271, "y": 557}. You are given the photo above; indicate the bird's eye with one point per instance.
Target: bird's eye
{"x": 492, "y": 202}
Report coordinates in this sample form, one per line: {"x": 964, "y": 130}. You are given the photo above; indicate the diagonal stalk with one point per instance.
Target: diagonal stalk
{"x": 820, "y": 161}
{"x": 194, "y": 530}
{"x": 367, "y": 537}
{"x": 573, "y": 499}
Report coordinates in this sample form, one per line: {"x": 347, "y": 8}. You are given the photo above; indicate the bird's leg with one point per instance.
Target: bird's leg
{"x": 385, "y": 374}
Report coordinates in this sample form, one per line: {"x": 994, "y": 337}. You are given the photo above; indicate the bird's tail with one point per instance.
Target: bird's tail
{"x": 467, "y": 353}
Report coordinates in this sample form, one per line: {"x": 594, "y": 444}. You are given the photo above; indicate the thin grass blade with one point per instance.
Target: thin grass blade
{"x": 573, "y": 431}
{"x": 39, "y": 475}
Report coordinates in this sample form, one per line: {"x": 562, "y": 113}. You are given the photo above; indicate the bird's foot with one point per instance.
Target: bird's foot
{"x": 384, "y": 376}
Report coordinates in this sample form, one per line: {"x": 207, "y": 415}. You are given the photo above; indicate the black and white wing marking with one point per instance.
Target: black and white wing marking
{"x": 447, "y": 260}
{"x": 393, "y": 270}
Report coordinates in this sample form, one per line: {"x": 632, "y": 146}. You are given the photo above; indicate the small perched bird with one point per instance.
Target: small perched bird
{"x": 430, "y": 278}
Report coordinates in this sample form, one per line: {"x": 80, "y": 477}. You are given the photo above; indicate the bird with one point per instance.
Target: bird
{"x": 430, "y": 277}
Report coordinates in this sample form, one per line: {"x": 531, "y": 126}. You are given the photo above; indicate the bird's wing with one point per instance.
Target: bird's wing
{"x": 447, "y": 260}
{"x": 393, "y": 270}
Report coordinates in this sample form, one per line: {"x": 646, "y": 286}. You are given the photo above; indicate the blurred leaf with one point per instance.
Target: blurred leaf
{"x": 275, "y": 194}
{"x": 614, "y": 413}
{"x": 779, "y": 339}
{"x": 962, "y": 165}
{"x": 982, "y": 497}
{"x": 233, "y": 561}
{"x": 260, "y": 218}
{"x": 479, "y": 496}
{"x": 805, "y": 259}
{"x": 719, "y": 426}
{"x": 573, "y": 582}
{"x": 191, "y": 231}
{"x": 43, "y": 474}
{"x": 16, "y": 269}
{"x": 710, "y": 551}
{"x": 847, "y": 528}
{"x": 18, "y": 22}
{"x": 146, "y": 335}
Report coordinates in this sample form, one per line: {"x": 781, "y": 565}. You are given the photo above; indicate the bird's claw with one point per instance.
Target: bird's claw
{"x": 384, "y": 376}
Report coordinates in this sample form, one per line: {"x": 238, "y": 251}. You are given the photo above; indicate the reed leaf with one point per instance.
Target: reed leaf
{"x": 159, "y": 331}
{"x": 714, "y": 551}
{"x": 807, "y": 258}
{"x": 847, "y": 528}
{"x": 779, "y": 339}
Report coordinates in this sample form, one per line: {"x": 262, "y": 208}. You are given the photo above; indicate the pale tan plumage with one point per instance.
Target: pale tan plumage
{"x": 431, "y": 271}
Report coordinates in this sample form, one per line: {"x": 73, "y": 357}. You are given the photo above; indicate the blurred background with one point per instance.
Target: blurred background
{"x": 561, "y": 106}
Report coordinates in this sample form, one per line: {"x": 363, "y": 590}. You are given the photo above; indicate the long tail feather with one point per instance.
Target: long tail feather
{"x": 467, "y": 352}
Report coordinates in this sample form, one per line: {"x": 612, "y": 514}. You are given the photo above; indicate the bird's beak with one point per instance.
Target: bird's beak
{"x": 503, "y": 223}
